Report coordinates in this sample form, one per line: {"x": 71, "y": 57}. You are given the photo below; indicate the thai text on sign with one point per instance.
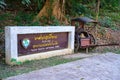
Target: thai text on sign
{"x": 41, "y": 42}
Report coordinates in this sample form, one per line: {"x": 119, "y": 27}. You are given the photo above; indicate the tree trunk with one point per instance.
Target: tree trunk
{"x": 54, "y": 8}
{"x": 97, "y": 9}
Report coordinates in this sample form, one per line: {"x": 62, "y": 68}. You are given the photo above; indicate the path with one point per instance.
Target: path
{"x": 99, "y": 67}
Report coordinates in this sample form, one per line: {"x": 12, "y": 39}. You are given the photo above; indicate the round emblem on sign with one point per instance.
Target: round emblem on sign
{"x": 25, "y": 43}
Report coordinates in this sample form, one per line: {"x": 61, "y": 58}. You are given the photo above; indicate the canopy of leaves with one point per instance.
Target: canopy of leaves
{"x": 73, "y": 7}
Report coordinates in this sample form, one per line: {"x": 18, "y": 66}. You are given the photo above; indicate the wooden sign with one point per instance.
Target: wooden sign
{"x": 41, "y": 42}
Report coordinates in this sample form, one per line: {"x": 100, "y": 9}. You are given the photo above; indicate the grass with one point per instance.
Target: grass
{"x": 117, "y": 51}
{"x": 28, "y": 66}
{"x": 7, "y": 70}
{"x": 114, "y": 50}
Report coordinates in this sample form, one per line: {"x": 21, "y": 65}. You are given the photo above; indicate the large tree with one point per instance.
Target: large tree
{"x": 54, "y": 8}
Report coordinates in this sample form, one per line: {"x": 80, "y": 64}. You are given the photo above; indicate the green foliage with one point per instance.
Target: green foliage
{"x": 51, "y": 20}
{"x": 37, "y": 23}
{"x": 107, "y": 22}
{"x": 26, "y": 2}
{"x": 2, "y": 4}
{"x": 19, "y": 19}
{"x": 15, "y": 62}
{"x": 54, "y": 21}
{"x": 1, "y": 30}
{"x": 5, "y": 16}
{"x": 25, "y": 19}
{"x": 39, "y": 3}
{"x": 117, "y": 51}
{"x": 110, "y": 4}
{"x": 114, "y": 50}
{"x": 115, "y": 16}
{"x": 74, "y": 7}
{"x": 87, "y": 1}
{"x": 105, "y": 4}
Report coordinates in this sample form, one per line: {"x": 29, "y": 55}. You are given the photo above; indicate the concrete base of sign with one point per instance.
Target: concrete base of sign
{"x": 11, "y": 42}
{"x": 45, "y": 55}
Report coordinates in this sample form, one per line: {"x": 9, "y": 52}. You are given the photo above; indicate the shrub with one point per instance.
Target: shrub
{"x": 107, "y": 22}
{"x": 74, "y": 7}
{"x": 2, "y": 4}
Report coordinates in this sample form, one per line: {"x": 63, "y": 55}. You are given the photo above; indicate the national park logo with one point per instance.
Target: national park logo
{"x": 25, "y": 43}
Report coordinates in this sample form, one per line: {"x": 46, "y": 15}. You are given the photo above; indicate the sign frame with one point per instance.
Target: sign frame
{"x": 11, "y": 41}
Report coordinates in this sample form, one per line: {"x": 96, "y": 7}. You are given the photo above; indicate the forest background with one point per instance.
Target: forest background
{"x": 60, "y": 12}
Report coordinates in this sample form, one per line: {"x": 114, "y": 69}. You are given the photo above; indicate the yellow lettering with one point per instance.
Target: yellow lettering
{"x": 46, "y": 44}
{"x": 46, "y": 37}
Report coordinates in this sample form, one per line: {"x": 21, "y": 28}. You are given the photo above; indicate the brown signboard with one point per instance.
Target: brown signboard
{"x": 41, "y": 42}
